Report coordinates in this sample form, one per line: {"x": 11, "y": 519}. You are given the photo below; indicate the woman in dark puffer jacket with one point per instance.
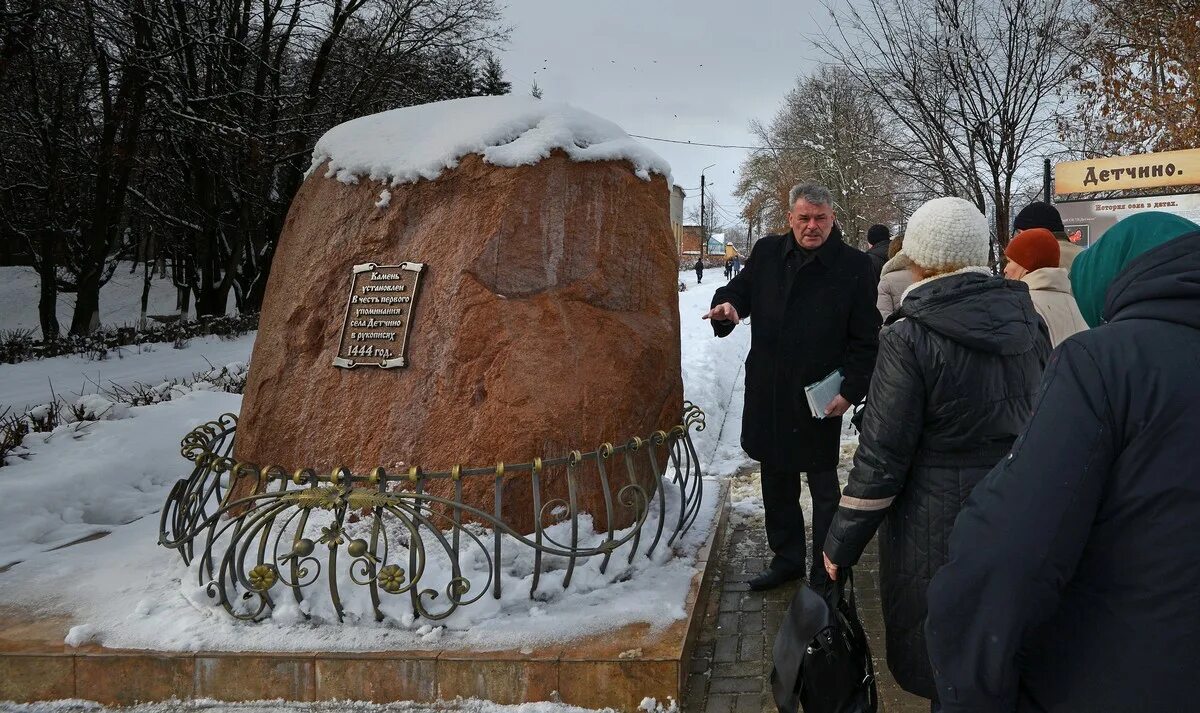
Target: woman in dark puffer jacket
{"x": 1075, "y": 566}
{"x": 954, "y": 383}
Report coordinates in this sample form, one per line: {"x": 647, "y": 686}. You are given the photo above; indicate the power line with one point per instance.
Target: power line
{"x": 720, "y": 146}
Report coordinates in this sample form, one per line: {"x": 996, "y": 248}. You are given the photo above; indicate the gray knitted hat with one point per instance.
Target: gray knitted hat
{"x": 947, "y": 234}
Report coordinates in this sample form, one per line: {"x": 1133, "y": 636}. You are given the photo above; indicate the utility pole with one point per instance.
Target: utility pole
{"x": 1046, "y": 180}
{"x": 703, "y": 231}
{"x": 758, "y": 222}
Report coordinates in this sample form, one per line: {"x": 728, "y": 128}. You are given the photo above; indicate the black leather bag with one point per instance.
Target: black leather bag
{"x": 822, "y": 663}
{"x": 856, "y": 418}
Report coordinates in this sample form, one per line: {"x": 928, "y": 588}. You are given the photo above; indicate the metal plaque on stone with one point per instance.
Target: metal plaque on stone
{"x": 378, "y": 315}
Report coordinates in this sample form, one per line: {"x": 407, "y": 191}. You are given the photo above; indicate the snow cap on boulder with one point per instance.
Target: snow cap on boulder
{"x": 408, "y": 144}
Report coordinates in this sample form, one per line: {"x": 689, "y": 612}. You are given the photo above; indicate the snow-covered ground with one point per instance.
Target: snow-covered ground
{"x": 30, "y": 383}
{"x": 120, "y": 299}
{"x": 99, "y": 485}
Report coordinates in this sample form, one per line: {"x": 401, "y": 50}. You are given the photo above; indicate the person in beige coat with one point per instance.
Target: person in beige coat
{"x": 894, "y": 278}
{"x": 1033, "y": 258}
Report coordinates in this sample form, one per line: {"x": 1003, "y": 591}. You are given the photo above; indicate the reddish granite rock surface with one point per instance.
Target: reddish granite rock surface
{"x": 547, "y": 320}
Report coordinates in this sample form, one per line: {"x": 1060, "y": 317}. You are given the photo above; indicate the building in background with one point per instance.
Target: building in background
{"x": 688, "y": 238}
{"x": 689, "y": 243}
{"x": 716, "y": 245}
{"x": 677, "y": 196}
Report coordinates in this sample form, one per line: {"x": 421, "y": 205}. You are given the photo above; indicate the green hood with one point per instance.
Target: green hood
{"x": 1096, "y": 268}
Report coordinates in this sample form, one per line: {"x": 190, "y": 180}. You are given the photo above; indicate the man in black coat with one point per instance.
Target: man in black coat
{"x": 813, "y": 302}
{"x": 880, "y": 239}
{"x": 1074, "y": 568}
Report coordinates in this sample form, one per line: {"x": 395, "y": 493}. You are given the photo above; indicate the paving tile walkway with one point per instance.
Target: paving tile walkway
{"x": 730, "y": 668}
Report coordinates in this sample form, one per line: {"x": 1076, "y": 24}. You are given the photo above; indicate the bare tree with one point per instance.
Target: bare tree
{"x": 243, "y": 107}
{"x": 181, "y": 129}
{"x": 18, "y": 19}
{"x": 828, "y": 131}
{"x": 72, "y": 114}
{"x": 974, "y": 84}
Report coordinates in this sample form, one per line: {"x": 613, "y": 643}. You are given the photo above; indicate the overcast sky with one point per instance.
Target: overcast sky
{"x": 698, "y": 70}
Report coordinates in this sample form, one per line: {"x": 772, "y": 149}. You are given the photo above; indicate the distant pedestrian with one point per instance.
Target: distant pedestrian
{"x": 896, "y": 277}
{"x": 880, "y": 239}
{"x": 812, "y": 299}
{"x": 955, "y": 381}
{"x": 737, "y": 264}
{"x": 728, "y": 270}
{"x": 1044, "y": 215}
{"x": 1033, "y": 259}
{"x": 1074, "y": 567}
{"x": 699, "y": 268}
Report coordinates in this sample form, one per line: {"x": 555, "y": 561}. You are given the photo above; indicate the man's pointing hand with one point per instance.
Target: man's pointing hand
{"x": 723, "y": 312}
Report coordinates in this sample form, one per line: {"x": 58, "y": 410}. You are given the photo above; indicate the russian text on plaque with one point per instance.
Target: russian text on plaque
{"x": 378, "y": 315}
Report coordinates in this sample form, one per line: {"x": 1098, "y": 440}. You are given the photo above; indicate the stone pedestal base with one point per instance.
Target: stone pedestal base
{"x": 615, "y": 670}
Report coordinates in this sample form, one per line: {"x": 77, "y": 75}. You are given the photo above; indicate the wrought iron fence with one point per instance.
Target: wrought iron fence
{"x": 250, "y": 551}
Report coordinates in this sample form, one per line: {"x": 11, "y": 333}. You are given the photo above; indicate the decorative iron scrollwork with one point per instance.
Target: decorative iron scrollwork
{"x": 384, "y": 529}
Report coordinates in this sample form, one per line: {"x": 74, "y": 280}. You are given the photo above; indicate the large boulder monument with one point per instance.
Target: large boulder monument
{"x": 474, "y": 281}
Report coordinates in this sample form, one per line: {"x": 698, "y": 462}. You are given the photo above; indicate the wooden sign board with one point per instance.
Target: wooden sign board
{"x": 378, "y": 315}
{"x": 1152, "y": 170}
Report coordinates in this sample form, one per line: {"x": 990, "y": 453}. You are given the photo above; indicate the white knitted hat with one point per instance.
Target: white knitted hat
{"x": 947, "y": 234}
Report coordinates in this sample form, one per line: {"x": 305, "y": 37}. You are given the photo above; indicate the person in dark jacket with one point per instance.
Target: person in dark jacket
{"x": 1046, "y": 216}
{"x": 812, "y": 297}
{"x": 955, "y": 381}
{"x": 880, "y": 239}
{"x": 699, "y": 268}
{"x": 1075, "y": 566}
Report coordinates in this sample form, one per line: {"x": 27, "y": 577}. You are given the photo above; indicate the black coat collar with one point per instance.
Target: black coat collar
{"x": 826, "y": 254}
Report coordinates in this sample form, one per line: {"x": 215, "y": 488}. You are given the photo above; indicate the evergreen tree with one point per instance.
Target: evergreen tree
{"x": 491, "y": 81}
{"x": 535, "y": 90}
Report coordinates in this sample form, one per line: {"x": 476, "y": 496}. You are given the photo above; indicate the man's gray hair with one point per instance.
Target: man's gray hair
{"x": 811, "y": 192}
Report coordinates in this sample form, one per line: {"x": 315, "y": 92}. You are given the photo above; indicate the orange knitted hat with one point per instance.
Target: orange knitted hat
{"x": 1034, "y": 249}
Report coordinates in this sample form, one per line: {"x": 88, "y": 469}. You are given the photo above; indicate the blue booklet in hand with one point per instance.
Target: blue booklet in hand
{"x": 822, "y": 392}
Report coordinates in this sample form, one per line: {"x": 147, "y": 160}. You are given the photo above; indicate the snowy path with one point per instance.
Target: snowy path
{"x": 31, "y": 383}
{"x": 713, "y": 376}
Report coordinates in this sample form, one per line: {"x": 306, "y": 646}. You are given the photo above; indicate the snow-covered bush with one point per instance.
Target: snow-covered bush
{"x": 19, "y": 345}
{"x": 95, "y": 407}
{"x": 12, "y": 432}
{"x": 50, "y": 419}
{"x": 15, "y": 344}
{"x": 113, "y": 404}
{"x": 230, "y": 379}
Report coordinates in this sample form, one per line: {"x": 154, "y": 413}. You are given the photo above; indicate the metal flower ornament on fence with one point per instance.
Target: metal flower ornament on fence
{"x": 305, "y": 535}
